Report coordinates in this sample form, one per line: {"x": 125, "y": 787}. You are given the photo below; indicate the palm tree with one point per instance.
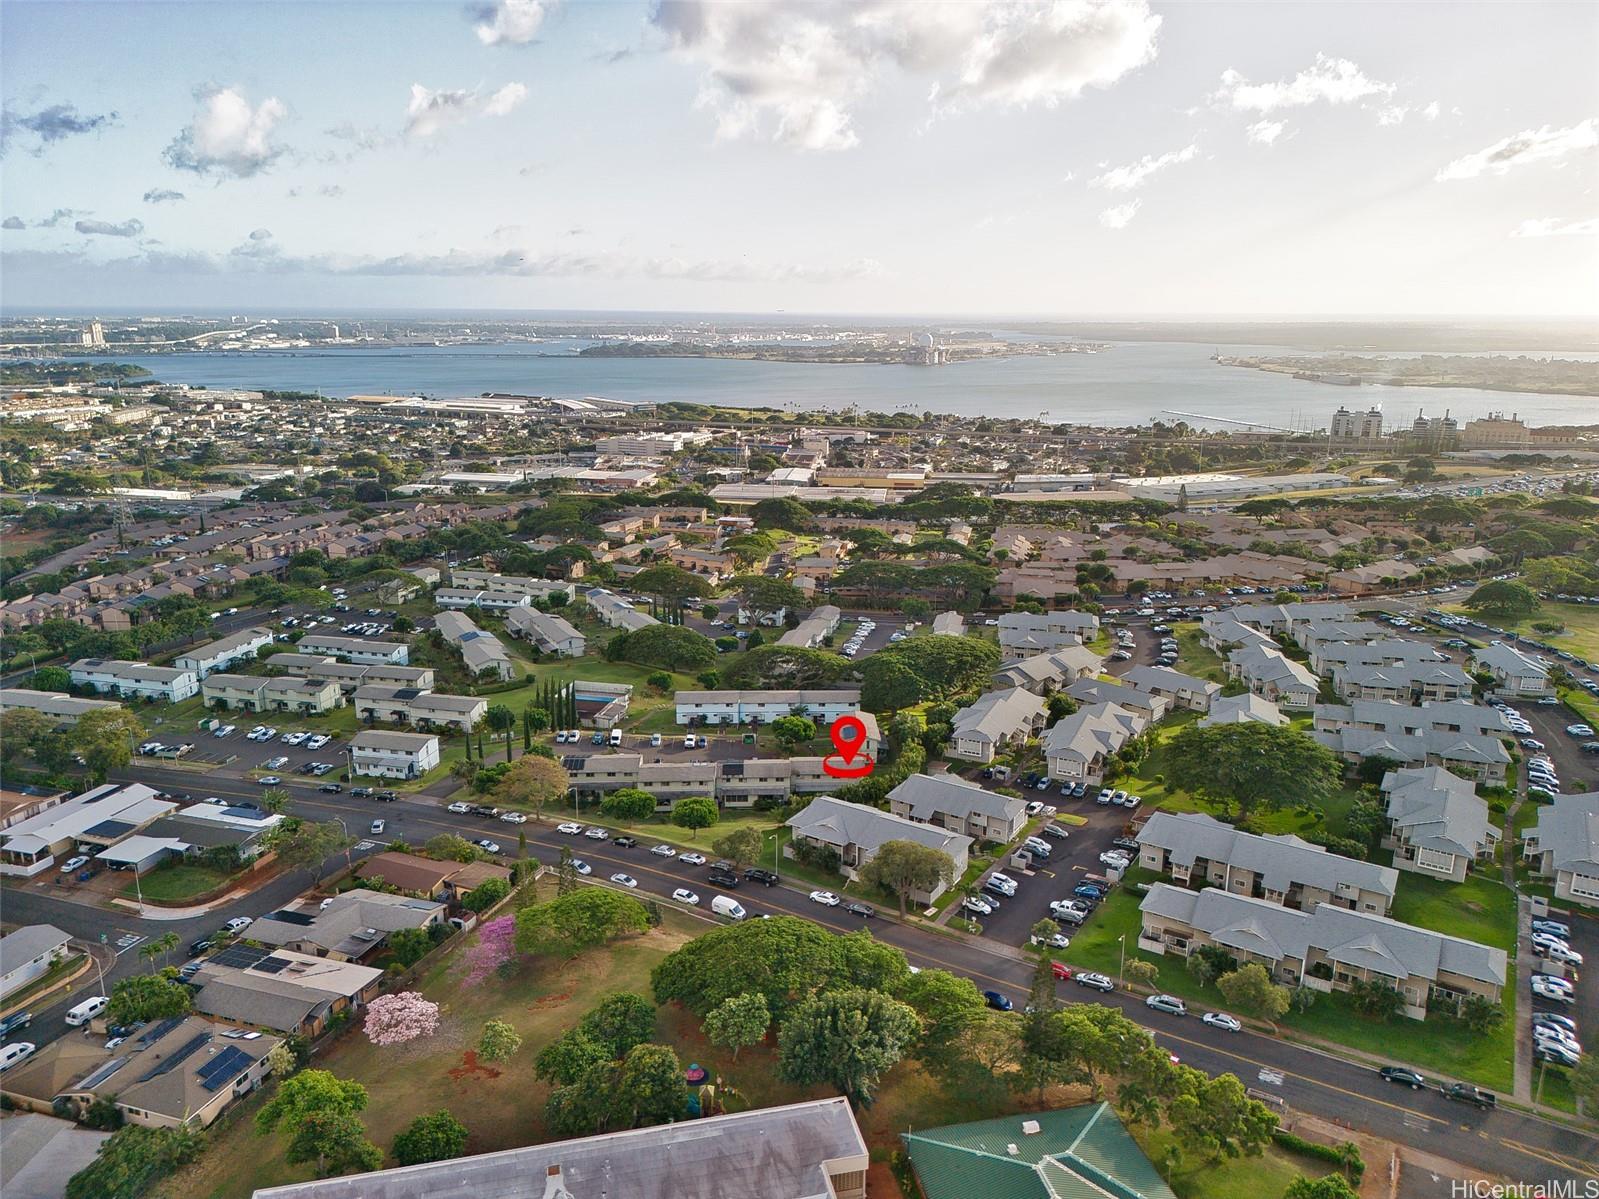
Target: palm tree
{"x": 275, "y": 799}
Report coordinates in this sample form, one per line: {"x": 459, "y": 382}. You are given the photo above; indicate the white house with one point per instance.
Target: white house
{"x": 28, "y": 953}
{"x": 551, "y": 634}
{"x": 138, "y": 679}
{"x": 1514, "y": 673}
{"x": 742, "y": 707}
{"x": 394, "y": 755}
{"x": 224, "y": 652}
{"x": 364, "y": 650}
{"x": 998, "y": 719}
{"x": 489, "y": 601}
{"x": 1080, "y": 745}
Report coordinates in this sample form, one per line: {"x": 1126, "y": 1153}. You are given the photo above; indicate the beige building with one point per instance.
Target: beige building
{"x": 285, "y": 693}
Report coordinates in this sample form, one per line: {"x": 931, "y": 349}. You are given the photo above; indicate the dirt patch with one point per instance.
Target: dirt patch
{"x": 880, "y": 1180}
{"x": 470, "y": 1067}
{"x": 548, "y": 1001}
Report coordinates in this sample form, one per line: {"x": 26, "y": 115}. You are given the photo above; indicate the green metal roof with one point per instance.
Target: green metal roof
{"x": 1078, "y": 1153}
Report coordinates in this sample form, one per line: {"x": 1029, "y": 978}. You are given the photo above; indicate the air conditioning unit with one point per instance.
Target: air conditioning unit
{"x": 1031, "y": 1128}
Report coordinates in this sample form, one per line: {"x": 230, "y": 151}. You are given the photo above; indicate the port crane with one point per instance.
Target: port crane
{"x": 1247, "y": 424}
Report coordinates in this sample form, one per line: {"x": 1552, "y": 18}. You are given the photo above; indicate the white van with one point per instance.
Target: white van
{"x": 616, "y": 738}
{"x": 15, "y": 1052}
{"x": 88, "y": 1010}
{"x": 725, "y": 905}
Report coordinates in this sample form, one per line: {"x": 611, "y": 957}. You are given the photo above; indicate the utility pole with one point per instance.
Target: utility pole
{"x": 1122, "y": 941}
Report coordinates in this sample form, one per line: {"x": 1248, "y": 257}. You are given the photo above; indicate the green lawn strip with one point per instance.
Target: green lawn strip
{"x": 1557, "y": 1092}
{"x": 1480, "y": 909}
{"x": 172, "y": 884}
{"x": 1581, "y": 620}
{"x": 1583, "y": 704}
{"x": 974, "y": 871}
{"x": 795, "y": 871}
{"x": 661, "y": 829}
{"x": 1194, "y": 658}
{"x": 1266, "y": 1174}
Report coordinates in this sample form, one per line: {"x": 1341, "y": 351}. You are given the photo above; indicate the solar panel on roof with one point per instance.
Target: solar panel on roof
{"x": 239, "y": 957}
{"x": 224, "y": 1068}
{"x": 272, "y": 965}
{"x": 292, "y": 917}
{"x": 187, "y": 1049}
{"x": 151, "y": 1035}
{"x": 100, "y": 1075}
{"x": 109, "y": 828}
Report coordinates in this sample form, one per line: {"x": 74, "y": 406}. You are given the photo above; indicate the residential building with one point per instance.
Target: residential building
{"x": 1268, "y": 673}
{"x": 1022, "y": 633}
{"x": 1181, "y": 690}
{"x": 1482, "y": 758}
{"x": 283, "y": 693}
{"x": 488, "y": 580}
{"x": 996, "y": 721}
{"x": 1071, "y": 1153}
{"x": 1051, "y": 671}
{"x": 1457, "y": 716}
{"x": 1089, "y": 691}
{"x": 489, "y": 601}
{"x": 1564, "y": 845}
{"x": 1514, "y": 673}
{"x": 551, "y": 634}
{"x": 28, "y": 953}
{"x": 949, "y": 624}
{"x": 224, "y": 652}
{"x": 137, "y": 680}
{"x": 350, "y": 675}
{"x": 1327, "y": 948}
{"x": 427, "y": 878}
{"x": 1437, "y": 823}
{"x": 1079, "y": 745}
{"x": 425, "y": 709}
{"x": 762, "y": 707}
{"x": 182, "y": 1071}
{"x": 353, "y": 927}
{"x": 816, "y": 628}
{"x": 857, "y": 832}
{"x": 1241, "y": 709}
{"x": 1309, "y": 635}
{"x": 280, "y": 990}
{"x": 615, "y": 611}
{"x": 601, "y": 773}
{"x": 363, "y": 650}
{"x": 1196, "y": 850}
{"x": 1409, "y": 682}
{"x": 809, "y": 1150}
{"x": 98, "y": 819}
{"x": 1273, "y": 619}
{"x": 393, "y": 755}
{"x": 1383, "y": 651}
{"x": 65, "y": 708}
{"x": 954, "y": 804}
{"x": 1390, "y": 572}
{"x": 481, "y": 652}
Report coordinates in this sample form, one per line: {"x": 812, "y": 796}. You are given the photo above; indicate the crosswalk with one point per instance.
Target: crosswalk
{"x": 128, "y": 940}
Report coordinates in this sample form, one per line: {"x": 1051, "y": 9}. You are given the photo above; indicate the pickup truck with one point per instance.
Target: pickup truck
{"x": 1465, "y": 1093}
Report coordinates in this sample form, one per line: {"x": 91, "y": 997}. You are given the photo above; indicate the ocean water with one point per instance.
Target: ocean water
{"x": 1128, "y": 383}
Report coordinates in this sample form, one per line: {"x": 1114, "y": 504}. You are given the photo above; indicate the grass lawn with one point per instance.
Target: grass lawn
{"x": 174, "y": 884}
{"x": 1479, "y": 909}
{"x": 1581, "y": 620}
{"x": 1266, "y": 1175}
{"x": 58, "y": 970}
{"x": 1193, "y": 658}
{"x": 1431, "y": 1045}
{"x": 1580, "y": 702}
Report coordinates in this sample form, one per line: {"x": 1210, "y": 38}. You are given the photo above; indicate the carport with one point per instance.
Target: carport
{"x": 142, "y": 854}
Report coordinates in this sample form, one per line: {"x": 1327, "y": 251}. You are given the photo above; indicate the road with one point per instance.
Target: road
{"x": 1501, "y": 1143}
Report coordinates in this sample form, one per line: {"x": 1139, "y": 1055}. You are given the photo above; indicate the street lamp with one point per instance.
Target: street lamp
{"x": 1122, "y": 941}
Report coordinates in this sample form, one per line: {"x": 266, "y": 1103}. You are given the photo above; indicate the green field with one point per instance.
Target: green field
{"x": 1266, "y": 1176}
{"x": 173, "y": 884}
{"x": 1193, "y": 658}
{"x": 1581, "y": 636}
{"x": 1480, "y": 909}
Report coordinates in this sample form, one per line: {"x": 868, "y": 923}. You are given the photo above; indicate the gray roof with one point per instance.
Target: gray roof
{"x": 1404, "y": 675}
{"x": 999, "y": 714}
{"x": 1449, "y": 716}
{"x": 927, "y": 794}
{"x": 1434, "y": 809}
{"x": 1358, "y": 939}
{"x": 542, "y": 625}
{"x": 1569, "y": 829}
{"x": 1161, "y": 678}
{"x": 336, "y": 926}
{"x": 771, "y": 1153}
{"x": 1240, "y": 709}
{"x": 1279, "y": 860}
{"x": 284, "y": 1007}
{"x": 1382, "y": 649}
{"x": 1265, "y": 664}
{"x": 1416, "y": 747}
{"x": 1097, "y": 729}
{"x": 1104, "y": 691}
{"x": 27, "y": 943}
{"x": 839, "y": 822}
{"x": 1510, "y": 661}
{"x": 377, "y": 739}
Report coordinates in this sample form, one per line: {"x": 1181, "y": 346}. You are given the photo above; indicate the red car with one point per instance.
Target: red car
{"x": 1060, "y": 969}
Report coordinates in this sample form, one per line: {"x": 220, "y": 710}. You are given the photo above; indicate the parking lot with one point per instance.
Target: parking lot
{"x": 1584, "y": 939}
{"x": 237, "y": 755}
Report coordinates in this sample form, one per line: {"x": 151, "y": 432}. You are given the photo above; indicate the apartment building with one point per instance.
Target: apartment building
{"x": 28, "y": 953}
{"x": 488, "y": 580}
{"x": 350, "y": 675}
{"x": 1482, "y": 758}
{"x": 997, "y": 721}
{"x": 958, "y": 806}
{"x": 949, "y": 624}
{"x": 282, "y": 693}
{"x": 1242, "y": 709}
{"x": 377, "y": 702}
{"x": 99, "y": 818}
{"x": 65, "y": 708}
{"x": 224, "y": 652}
{"x": 816, "y": 628}
{"x": 393, "y": 755}
{"x": 1089, "y": 691}
{"x": 856, "y": 832}
{"x": 1195, "y": 850}
{"x": 481, "y": 651}
{"x": 615, "y": 611}
{"x": 458, "y": 598}
{"x": 1410, "y": 682}
{"x": 365, "y": 651}
{"x": 1437, "y": 823}
{"x": 1456, "y": 716}
{"x": 1564, "y": 846}
{"x": 1051, "y": 671}
{"x": 1327, "y": 948}
{"x": 551, "y": 634}
{"x": 137, "y": 680}
{"x": 735, "y": 784}
{"x": 1513, "y": 672}
{"x": 1022, "y": 633}
{"x": 1383, "y": 651}
{"x": 1079, "y": 746}
{"x": 1268, "y": 673}
{"x": 1178, "y": 689}
{"x": 762, "y": 707}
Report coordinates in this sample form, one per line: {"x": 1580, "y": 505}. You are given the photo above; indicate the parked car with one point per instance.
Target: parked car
{"x": 1548, "y": 986}
{"x": 826, "y": 898}
{"x": 1088, "y": 891}
{"x": 1403, "y": 1075}
{"x": 664, "y": 851}
{"x": 1095, "y": 982}
{"x": 596, "y": 833}
{"x": 624, "y": 842}
{"x": 1465, "y": 1093}
{"x": 1222, "y": 1021}
{"x": 238, "y": 924}
{"x": 569, "y": 828}
{"x": 723, "y": 877}
{"x": 1552, "y": 928}
{"x": 978, "y": 905}
{"x": 998, "y": 1002}
{"x": 691, "y": 859}
{"x": 765, "y": 877}
{"x": 1167, "y": 1003}
{"x": 684, "y": 895}
{"x": 459, "y": 808}
{"x": 624, "y": 880}
{"x": 864, "y": 910}
{"x": 72, "y": 864}
{"x": 486, "y": 845}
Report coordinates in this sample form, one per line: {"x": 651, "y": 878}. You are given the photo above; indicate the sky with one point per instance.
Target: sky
{"x": 1024, "y": 157}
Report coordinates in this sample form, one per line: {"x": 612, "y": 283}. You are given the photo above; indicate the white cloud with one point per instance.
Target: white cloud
{"x": 1431, "y": 111}
{"x": 1135, "y": 174}
{"x": 1528, "y": 146}
{"x": 162, "y": 195}
{"x": 261, "y": 235}
{"x": 1329, "y": 80}
{"x": 228, "y": 137}
{"x": 511, "y": 22}
{"x": 792, "y": 70}
{"x": 1265, "y": 133}
{"x": 1392, "y": 114}
{"x": 430, "y": 111}
{"x": 1555, "y": 227}
{"x": 1119, "y": 216}
{"x": 13, "y": 222}
{"x": 128, "y": 228}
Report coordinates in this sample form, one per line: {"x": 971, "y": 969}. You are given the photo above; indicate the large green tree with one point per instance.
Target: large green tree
{"x": 1507, "y": 598}
{"x": 569, "y": 924}
{"x": 133, "y": 1160}
{"x": 670, "y": 583}
{"x": 307, "y": 1092}
{"x": 1249, "y": 988}
{"x": 742, "y": 846}
{"x": 336, "y": 1141}
{"x": 695, "y": 812}
{"x": 737, "y": 1021}
{"x": 1213, "y": 1117}
{"x": 532, "y": 782}
{"x": 1247, "y": 767}
{"x": 906, "y": 866}
{"x": 1328, "y": 1186}
{"x": 947, "y": 1006}
{"x": 435, "y": 1137}
{"x": 846, "y": 1039}
{"x": 628, "y": 804}
{"x": 105, "y": 738}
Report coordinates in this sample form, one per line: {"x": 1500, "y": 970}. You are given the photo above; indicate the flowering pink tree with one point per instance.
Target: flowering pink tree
{"x": 396, "y": 1019}
{"x": 496, "y": 945}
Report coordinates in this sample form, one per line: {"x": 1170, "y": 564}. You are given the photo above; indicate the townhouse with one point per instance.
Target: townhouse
{"x": 353, "y": 927}
{"x": 1050, "y": 671}
{"x": 1437, "y": 823}
{"x": 1390, "y": 572}
{"x": 1513, "y": 672}
{"x": 65, "y": 708}
{"x": 393, "y": 755}
{"x": 1409, "y": 682}
{"x": 735, "y": 784}
{"x": 1564, "y": 845}
{"x": 1383, "y": 651}
{"x": 815, "y": 629}
{"x": 762, "y": 707}
{"x": 1197, "y": 850}
{"x": 1178, "y": 689}
{"x": 1275, "y": 619}
{"x": 1080, "y": 746}
{"x": 350, "y": 675}
{"x": 549, "y": 633}
{"x": 1088, "y": 691}
{"x": 949, "y": 624}
{"x": 615, "y": 611}
{"x": 1482, "y": 758}
{"x": 481, "y": 651}
{"x": 364, "y": 651}
{"x": 856, "y": 832}
{"x": 488, "y": 580}
{"x": 283, "y": 693}
{"x": 1242, "y": 709}
{"x": 1327, "y": 948}
{"x": 1458, "y": 716}
{"x": 490, "y": 601}
{"x": 224, "y": 652}
{"x": 1319, "y": 631}
{"x": 997, "y": 721}
{"x": 958, "y": 806}
{"x": 1270, "y": 674}
{"x": 378, "y": 702}
{"x": 137, "y": 680}
{"x": 1042, "y": 632}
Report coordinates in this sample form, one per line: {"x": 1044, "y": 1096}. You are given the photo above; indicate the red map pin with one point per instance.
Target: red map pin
{"x": 848, "y": 734}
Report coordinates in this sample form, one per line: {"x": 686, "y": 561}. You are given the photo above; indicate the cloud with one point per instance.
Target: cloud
{"x": 1554, "y": 227}
{"x": 261, "y": 235}
{"x": 1392, "y": 114}
{"x": 128, "y": 228}
{"x": 791, "y": 71}
{"x": 1265, "y": 133}
{"x": 430, "y": 111}
{"x": 331, "y": 190}
{"x": 1521, "y": 149}
{"x": 1135, "y": 175}
{"x": 58, "y": 217}
{"x": 1329, "y": 80}
{"x": 51, "y": 125}
{"x": 359, "y": 140}
{"x": 162, "y": 195}
{"x": 1120, "y": 216}
{"x": 13, "y": 222}
{"x": 1431, "y": 111}
{"x": 228, "y": 138}
{"x": 511, "y": 22}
